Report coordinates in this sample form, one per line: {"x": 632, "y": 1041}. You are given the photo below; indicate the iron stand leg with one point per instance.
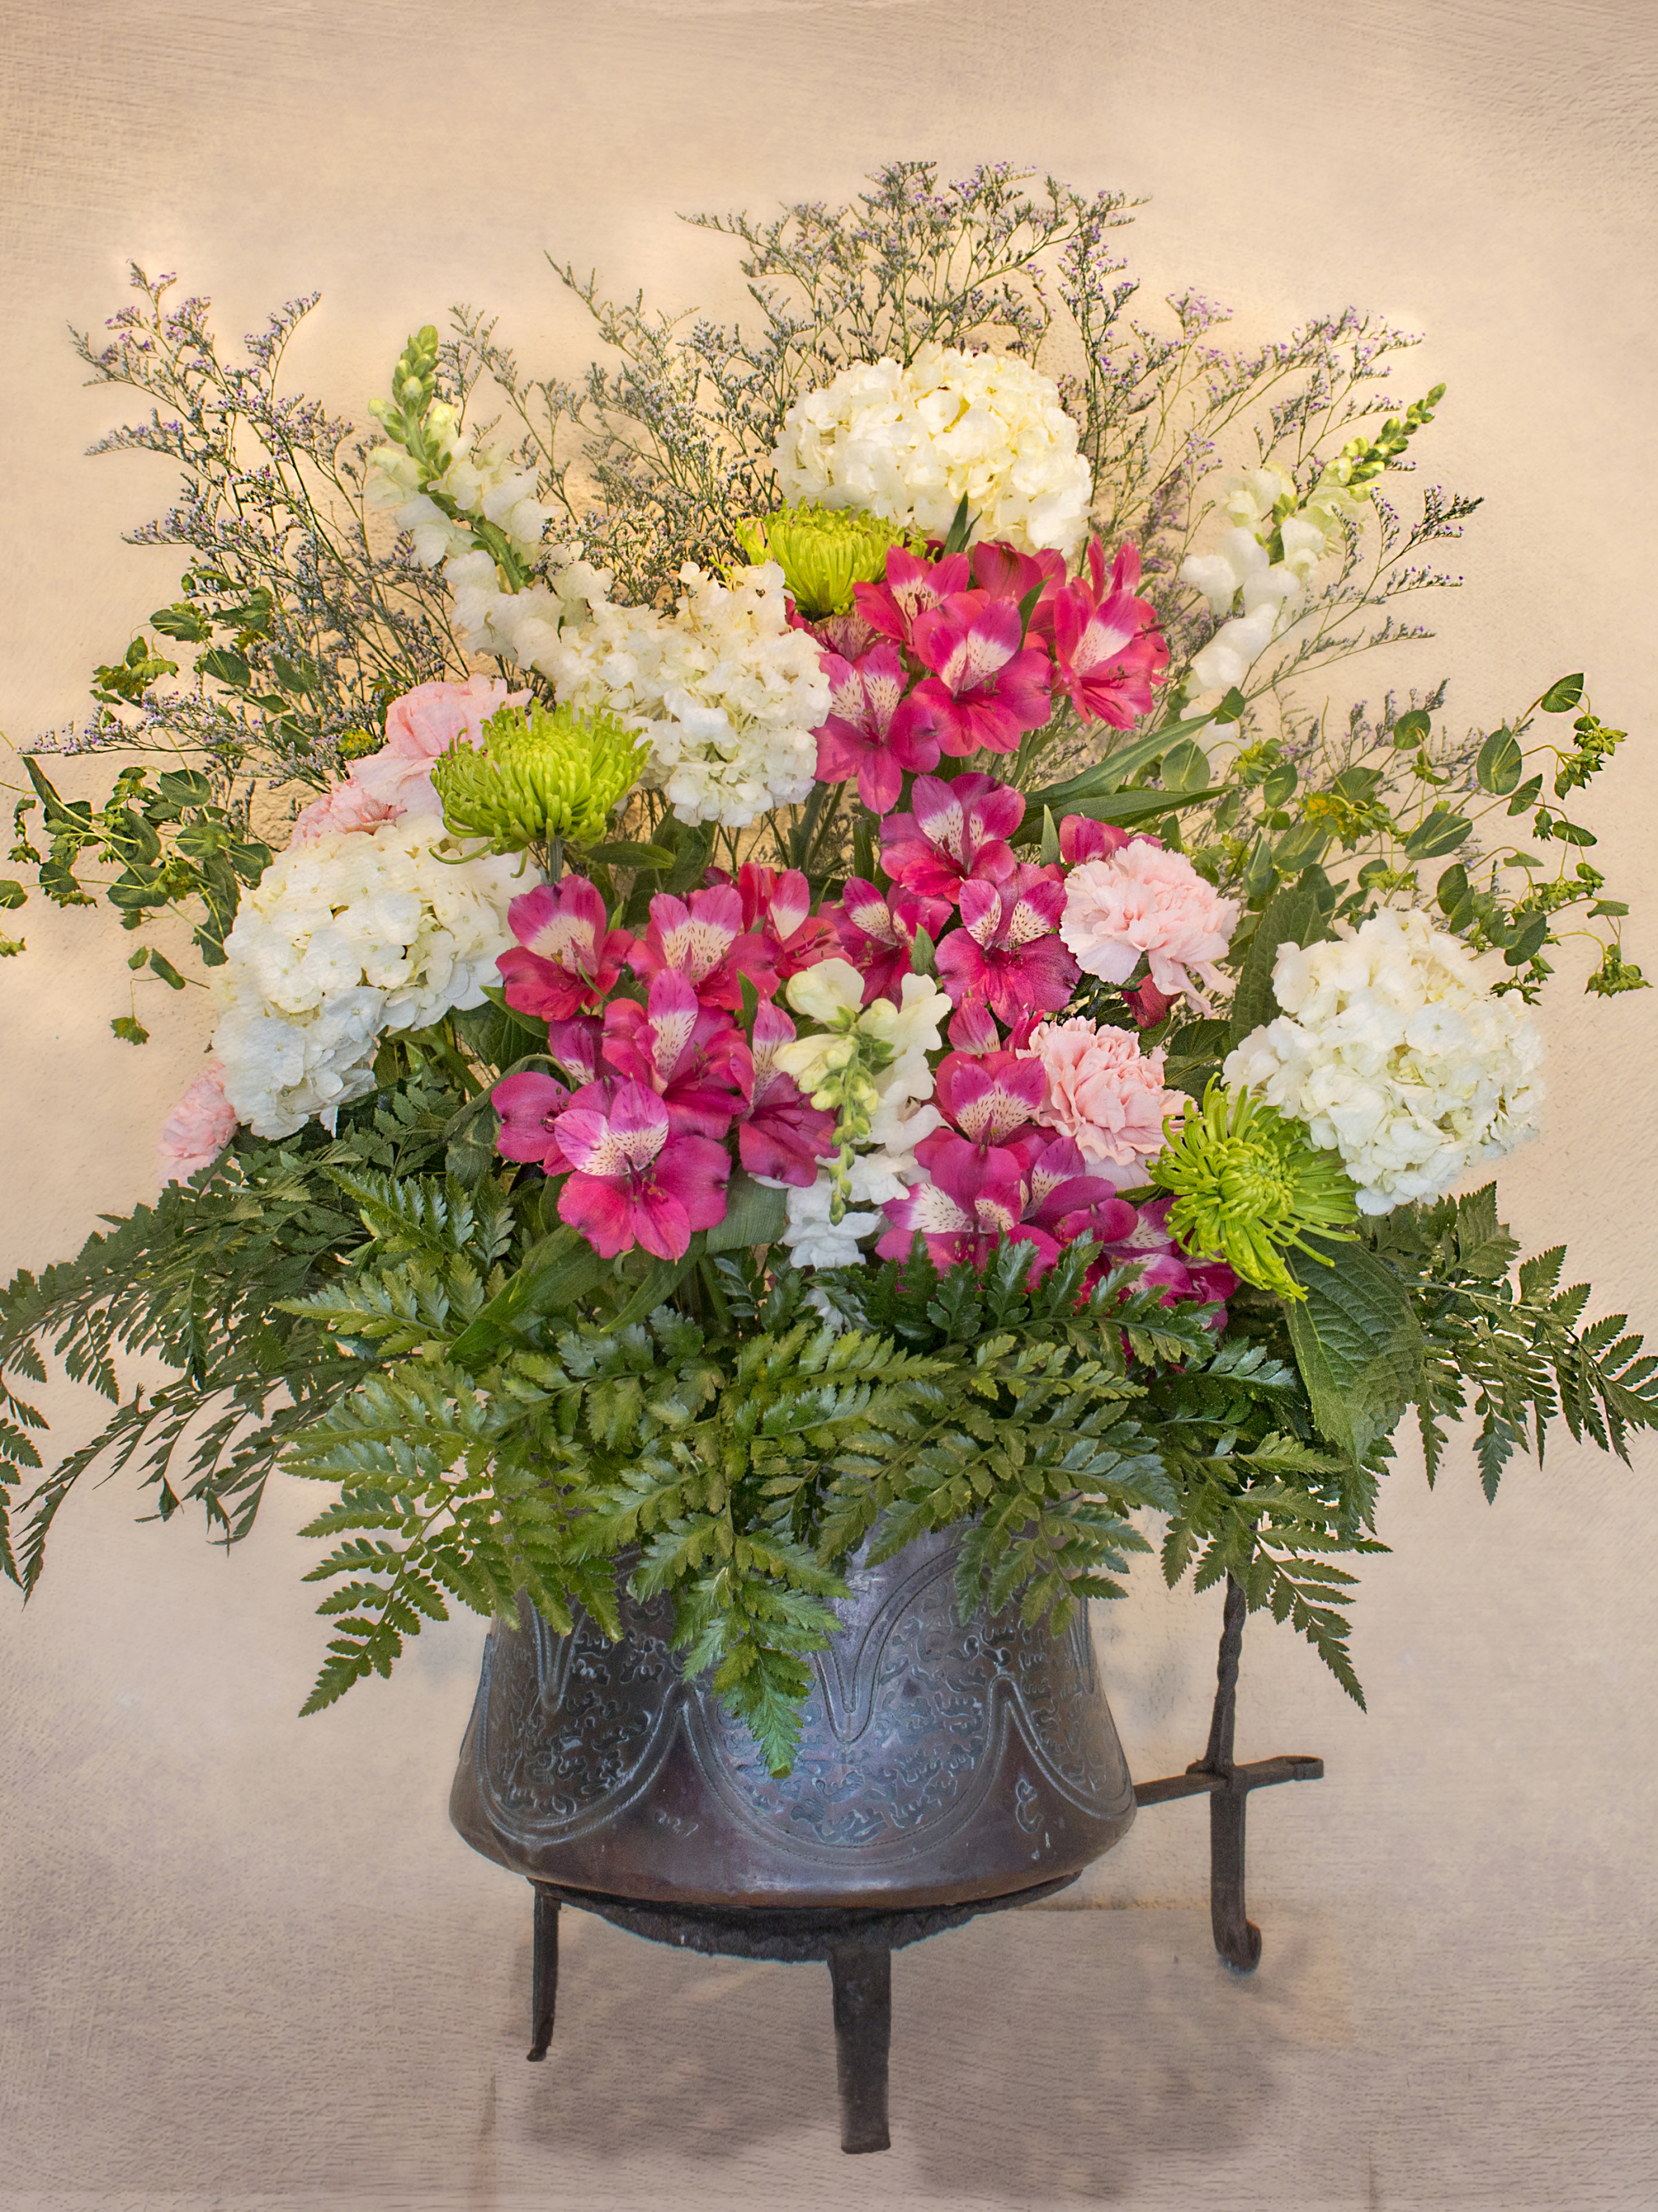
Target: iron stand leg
{"x": 544, "y": 1973}
{"x": 1237, "y": 1939}
{"x": 861, "y": 1976}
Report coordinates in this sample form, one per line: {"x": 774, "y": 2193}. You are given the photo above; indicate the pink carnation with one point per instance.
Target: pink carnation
{"x": 199, "y": 1128}
{"x": 1106, "y": 1095}
{"x": 397, "y": 781}
{"x": 1145, "y": 900}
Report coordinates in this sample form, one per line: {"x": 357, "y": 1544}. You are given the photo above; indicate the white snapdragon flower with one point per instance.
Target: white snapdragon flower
{"x": 1395, "y": 1054}
{"x": 909, "y": 444}
{"x": 343, "y": 938}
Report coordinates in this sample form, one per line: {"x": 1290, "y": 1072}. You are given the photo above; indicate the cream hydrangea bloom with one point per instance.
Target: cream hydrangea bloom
{"x": 343, "y": 938}
{"x": 1394, "y": 1054}
{"x": 910, "y": 444}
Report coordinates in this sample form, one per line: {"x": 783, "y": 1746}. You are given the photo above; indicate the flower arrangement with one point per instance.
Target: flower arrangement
{"x": 847, "y": 992}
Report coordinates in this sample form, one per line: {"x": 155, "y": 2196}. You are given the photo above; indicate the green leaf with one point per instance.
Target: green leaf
{"x": 1411, "y": 729}
{"x": 1441, "y": 830}
{"x": 1114, "y": 770}
{"x": 754, "y": 1215}
{"x": 12, "y": 894}
{"x": 225, "y": 666}
{"x": 1563, "y": 695}
{"x": 1500, "y": 759}
{"x": 629, "y": 856}
{"x": 1185, "y": 768}
{"x": 128, "y": 1028}
{"x": 1356, "y": 1342}
{"x": 161, "y": 966}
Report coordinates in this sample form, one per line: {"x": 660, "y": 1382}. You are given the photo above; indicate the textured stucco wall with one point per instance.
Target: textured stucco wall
{"x": 244, "y": 1960}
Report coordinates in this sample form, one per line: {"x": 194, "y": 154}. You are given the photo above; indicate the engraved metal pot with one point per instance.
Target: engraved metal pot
{"x": 939, "y": 1764}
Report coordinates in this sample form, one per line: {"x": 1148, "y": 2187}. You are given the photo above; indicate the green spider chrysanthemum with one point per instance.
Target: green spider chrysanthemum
{"x": 822, "y": 552}
{"x": 1249, "y": 1186}
{"x": 544, "y": 775}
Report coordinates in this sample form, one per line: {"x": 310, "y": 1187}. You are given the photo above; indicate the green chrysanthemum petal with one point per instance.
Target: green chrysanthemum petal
{"x": 822, "y": 552}
{"x": 543, "y": 774}
{"x": 1248, "y": 1185}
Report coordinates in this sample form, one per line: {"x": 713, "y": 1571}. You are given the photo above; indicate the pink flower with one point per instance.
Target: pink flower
{"x": 779, "y": 905}
{"x": 1007, "y": 574}
{"x": 784, "y": 1136}
{"x": 1069, "y": 1203}
{"x": 690, "y": 1053}
{"x": 199, "y": 1128}
{"x": 912, "y": 587}
{"x": 878, "y": 933}
{"x": 1145, "y": 901}
{"x": 1005, "y": 952}
{"x": 849, "y": 635}
{"x": 1165, "y": 1265}
{"x": 566, "y": 958}
{"x": 634, "y": 1181}
{"x": 873, "y": 732}
{"x": 529, "y": 1105}
{"x": 1106, "y": 1095}
{"x": 990, "y": 1097}
{"x": 1081, "y": 839}
{"x": 395, "y": 780}
{"x": 1107, "y": 644}
{"x": 957, "y": 834}
{"x": 988, "y": 688}
{"x": 971, "y": 1198}
{"x": 704, "y": 942}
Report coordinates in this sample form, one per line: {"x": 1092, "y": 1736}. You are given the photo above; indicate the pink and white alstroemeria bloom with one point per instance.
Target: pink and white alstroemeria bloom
{"x": 878, "y": 933}
{"x": 957, "y": 832}
{"x": 1008, "y": 574}
{"x": 529, "y": 1104}
{"x": 1006, "y": 952}
{"x": 971, "y": 1198}
{"x": 566, "y": 958}
{"x": 778, "y": 903}
{"x": 690, "y": 1054}
{"x": 633, "y": 1182}
{"x": 991, "y": 1096}
{"x": 988, "y": 688}
{"x": 913, "y": 587}
{"x": 703, "y": 940}
{"x": 784, "y": 1137}
{"x": 873, "y": 732}
{"x": 1108, "y": 648}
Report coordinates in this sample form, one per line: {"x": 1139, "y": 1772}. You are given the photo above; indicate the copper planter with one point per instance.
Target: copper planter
{"x": 938, "y": 1765}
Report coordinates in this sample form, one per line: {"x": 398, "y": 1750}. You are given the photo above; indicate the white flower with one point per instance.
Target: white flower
{"x": 909, "y": 444}
{"x": 1251, "y": 498}
{"x": 1393, "y": 1053}
{"x": 1233, "y": 650}
{"x": 815, "y": 1241}
{"x": 343, "y": 938}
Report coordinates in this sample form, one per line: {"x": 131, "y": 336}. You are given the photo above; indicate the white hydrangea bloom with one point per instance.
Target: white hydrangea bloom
{"x": 1395, "y": 1054}
{"x": 728, "y": 693}
{"x": 343, "y": 938}
{"x": 909, "y": 444}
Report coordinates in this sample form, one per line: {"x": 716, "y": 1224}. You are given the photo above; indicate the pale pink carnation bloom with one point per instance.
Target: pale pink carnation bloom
{"x": 397, "y": 781}
{"x": 1145, "y": 899}
{"x": 199, "y": 1128}
{"x": 1106, "y": 1095}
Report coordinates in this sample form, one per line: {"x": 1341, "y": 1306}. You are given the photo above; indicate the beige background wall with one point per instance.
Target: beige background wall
{"x": 243, "y": 1961}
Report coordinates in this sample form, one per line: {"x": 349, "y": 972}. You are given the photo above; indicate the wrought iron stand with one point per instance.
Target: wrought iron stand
{"x": 858, "y": 1945}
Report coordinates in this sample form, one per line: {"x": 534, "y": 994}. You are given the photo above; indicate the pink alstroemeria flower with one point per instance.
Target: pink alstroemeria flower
{"x": 957, "y": 832}
{"x": 990, "y": 1097}
{"x": 690, "y": 1054}
{"x": 988, "y": 687}
{"x": 971, "y": 1198}
{"x": 784, "y": 1136}
{"x": 566, "y": 958}
{"x": 1007, "y": 953}
{"x": 912, "y": 587}
{"x": 1107, "y": 644}
{"x": 529, "y": 1104}
{"x": 1081, "y": 839}
{"x": 873, "y": 732}
{"x": 1007, "y": 574}
{"x": 878, "y": 933}
{"x": 703, "y": 940}
{"x": 1165, "y": 1265}
{"x": 634, "y": 1181}
{"x": 778, "y": 903}
{"x": 1070, "y": 1201}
